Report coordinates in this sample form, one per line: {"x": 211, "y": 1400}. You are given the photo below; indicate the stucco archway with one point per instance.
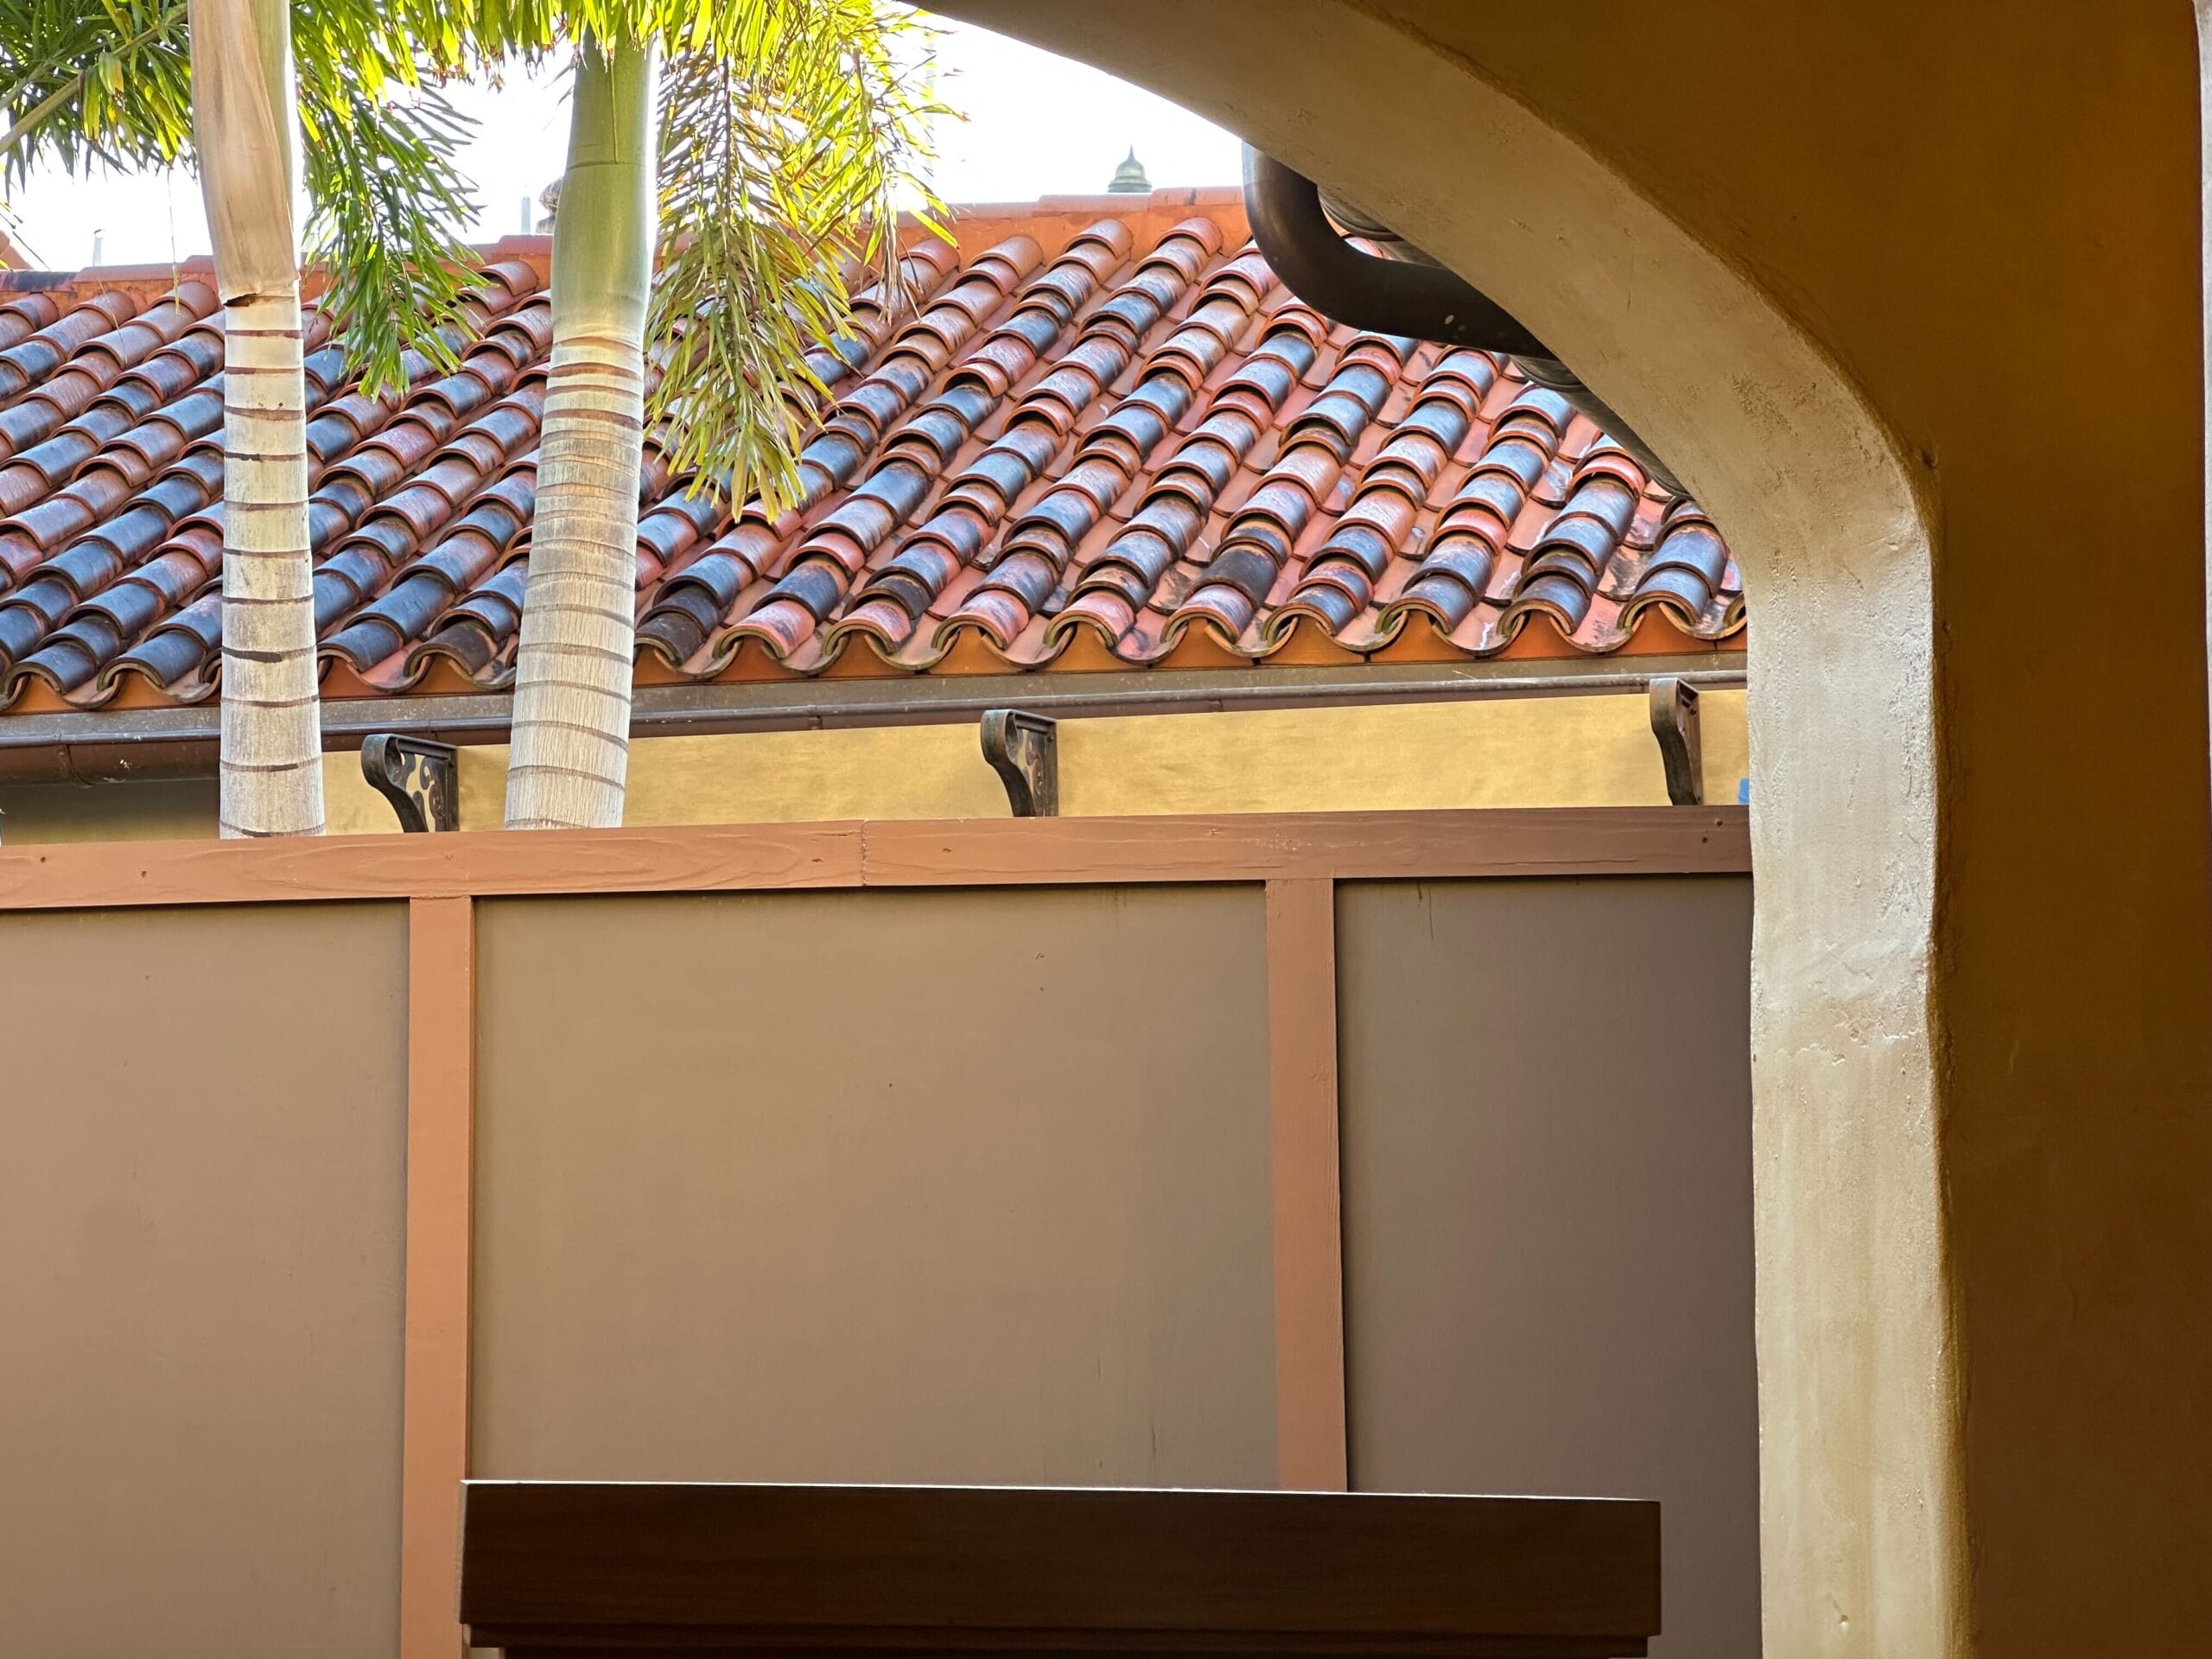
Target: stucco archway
{"x": 1857, "y": 1511}
{"x": 1862, "y": 1534}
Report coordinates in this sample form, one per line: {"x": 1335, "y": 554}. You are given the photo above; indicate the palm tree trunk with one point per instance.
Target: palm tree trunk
{"x": 571, "y": 754}
{"x": 242, "y": 117}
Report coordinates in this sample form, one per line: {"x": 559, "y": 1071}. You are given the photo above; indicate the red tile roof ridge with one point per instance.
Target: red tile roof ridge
{"x": 1213, "y": 202}
{"x": 1096, "y": 433}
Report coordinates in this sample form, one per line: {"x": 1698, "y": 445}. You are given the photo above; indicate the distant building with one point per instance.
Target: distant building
{"x": 1129, "y": 177}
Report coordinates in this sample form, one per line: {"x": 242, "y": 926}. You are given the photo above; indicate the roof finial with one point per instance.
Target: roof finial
{"x": 1129, "y": 179}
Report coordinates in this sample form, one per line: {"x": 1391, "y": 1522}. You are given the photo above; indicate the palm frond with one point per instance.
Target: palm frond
{"x": 386, "y": 194}
{"x": 110, "y": 81}
{"x": 86, "y": 80}
{"x": 791, "y": 131}
{"x": 385, "y": 200}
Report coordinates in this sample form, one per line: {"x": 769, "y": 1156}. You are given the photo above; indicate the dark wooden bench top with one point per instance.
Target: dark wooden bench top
{"x": 956, "y": 1573}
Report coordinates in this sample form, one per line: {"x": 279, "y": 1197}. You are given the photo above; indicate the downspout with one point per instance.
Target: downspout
{"x": 1409, "y": 295}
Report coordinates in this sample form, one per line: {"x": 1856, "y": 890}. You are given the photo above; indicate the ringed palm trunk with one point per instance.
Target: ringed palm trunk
{"x": 569, "y": 757}
{"x": 244, "y": 126}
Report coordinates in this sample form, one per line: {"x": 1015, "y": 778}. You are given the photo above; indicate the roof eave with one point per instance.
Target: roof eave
{"x": 106, "y": 746}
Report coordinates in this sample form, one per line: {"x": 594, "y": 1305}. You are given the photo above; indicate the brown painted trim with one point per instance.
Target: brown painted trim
{"x": 692, "y": 860}
{"x": 1306, "y": 1183}
{"x": 1257, "y": 847}
{"x": 441, "y": 1194}
{"x": 1342, "y": 845}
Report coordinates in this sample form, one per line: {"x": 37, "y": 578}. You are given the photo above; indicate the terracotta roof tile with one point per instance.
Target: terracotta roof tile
{"x": 1084, "y": 442}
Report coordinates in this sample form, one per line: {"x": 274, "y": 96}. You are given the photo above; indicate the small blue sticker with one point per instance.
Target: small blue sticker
{"x": 1743, "y": 791}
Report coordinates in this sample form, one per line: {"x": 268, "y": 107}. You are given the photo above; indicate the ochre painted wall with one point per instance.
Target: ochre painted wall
{"x": 1565, "y": 751}
{"x": 1594, "y": 750}
{"x": 138, "y": 809}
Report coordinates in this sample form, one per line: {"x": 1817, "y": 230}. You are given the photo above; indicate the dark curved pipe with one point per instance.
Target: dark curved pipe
{"x": 1385, "y": 297}
{"x": 1404, "y": 297}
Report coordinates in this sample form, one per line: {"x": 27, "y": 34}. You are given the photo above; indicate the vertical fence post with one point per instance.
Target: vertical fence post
{"x": 1311, "y": 1431}
{"x": 441, "y": 1183}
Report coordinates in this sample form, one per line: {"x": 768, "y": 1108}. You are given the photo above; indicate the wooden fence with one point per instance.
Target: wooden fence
{"x": 558, "y": 1291}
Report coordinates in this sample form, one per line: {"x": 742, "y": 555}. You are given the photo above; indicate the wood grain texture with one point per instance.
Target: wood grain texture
{"x": 704, "y": 859}
{"x": 441, "y": 1192}
{"x": 1342, "y": 845}
{"x": 1587, "y": 841}
{"x": 563, "y": 1568}
{"x": 1305, "y": 1181}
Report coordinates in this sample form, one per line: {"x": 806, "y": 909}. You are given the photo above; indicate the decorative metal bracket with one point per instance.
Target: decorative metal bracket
{"x": 421, "y": 780}
{"x": 1024, "y": 749}
{"x": 1675, "y": 723}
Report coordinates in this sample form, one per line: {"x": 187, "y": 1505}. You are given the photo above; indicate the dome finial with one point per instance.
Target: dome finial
{"x": 1129, "y": 179}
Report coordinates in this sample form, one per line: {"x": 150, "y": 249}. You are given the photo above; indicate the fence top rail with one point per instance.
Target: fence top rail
{"x": 1034, "y": 852}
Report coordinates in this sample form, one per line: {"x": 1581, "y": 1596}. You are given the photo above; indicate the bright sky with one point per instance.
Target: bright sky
{"x": 1036, "y": 125}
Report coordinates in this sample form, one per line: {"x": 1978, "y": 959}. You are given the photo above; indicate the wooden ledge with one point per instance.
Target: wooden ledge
{"x": 555, "y": 1569}
{"x": 1258, "y": 847}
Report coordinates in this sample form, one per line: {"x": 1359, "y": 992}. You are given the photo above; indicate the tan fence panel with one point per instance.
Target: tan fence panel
{"x": 201, "y": 1217}
{"x": 1548, "y": 1209}
{"x": 875, "y": 1187}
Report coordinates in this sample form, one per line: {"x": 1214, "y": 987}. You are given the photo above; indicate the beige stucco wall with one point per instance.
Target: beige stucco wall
{"x": 201, "y": 1139}
{"x": 1900, "y": 179}
{"x": 1580, "y": 750}
{"x": 1910, "y": 296}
